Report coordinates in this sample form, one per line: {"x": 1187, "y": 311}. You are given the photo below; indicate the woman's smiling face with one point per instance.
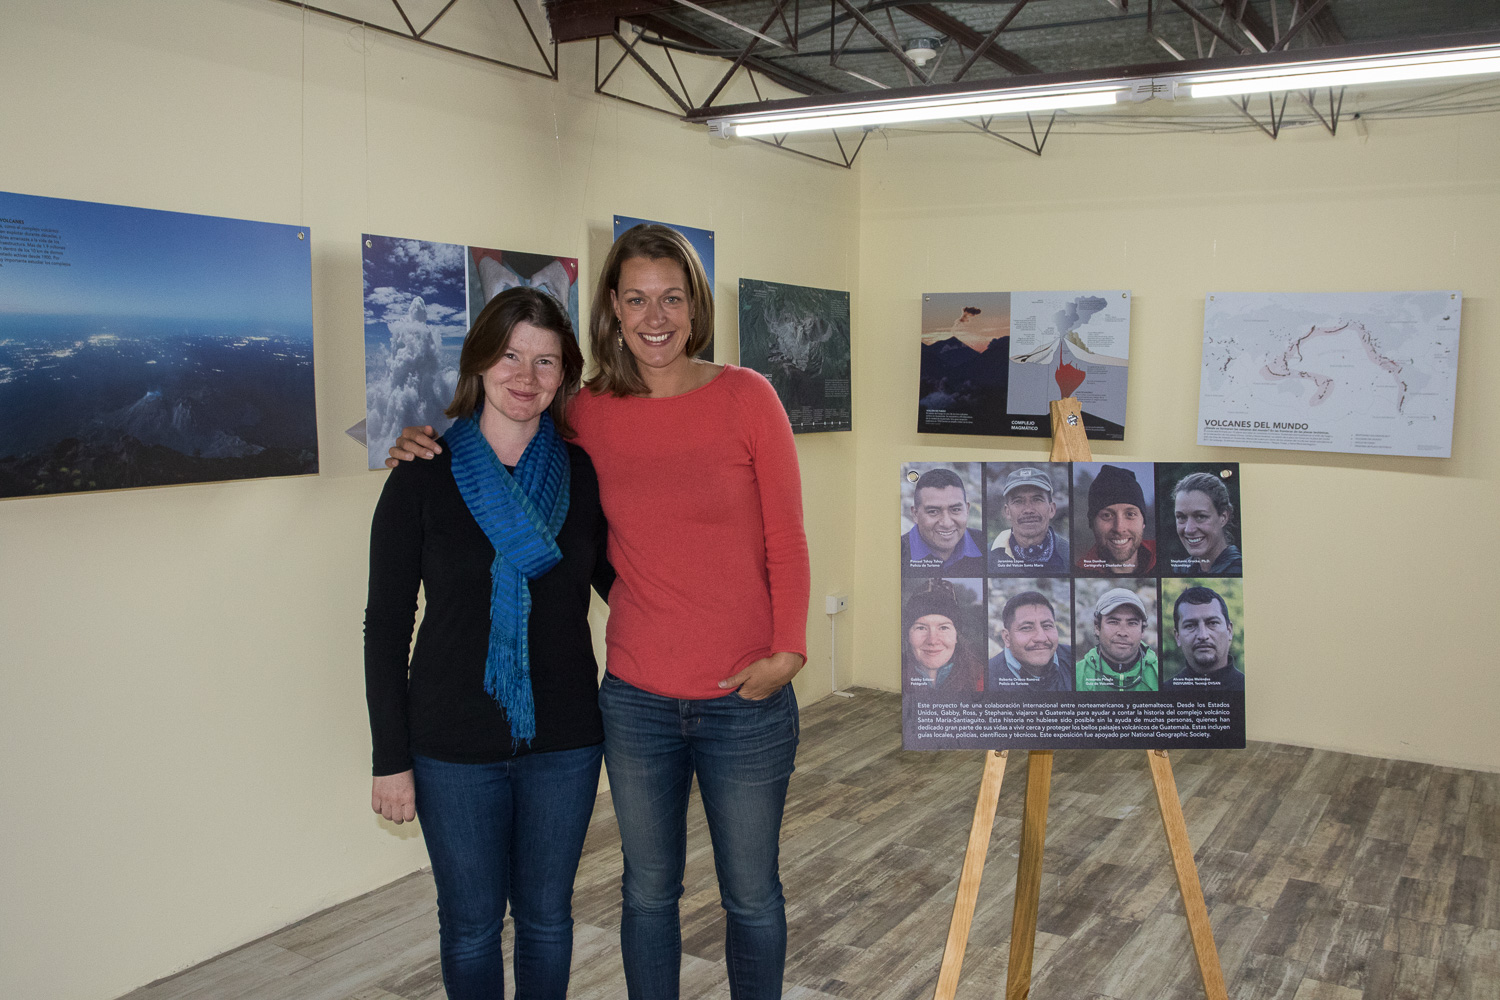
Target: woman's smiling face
{"x": 655, "y": 311}
{"x": 1199, "y": 525}
{"x": 932, "y": 639}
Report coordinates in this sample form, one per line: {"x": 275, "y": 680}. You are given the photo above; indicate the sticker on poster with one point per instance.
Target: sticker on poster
{"x": 1111, "y": 598}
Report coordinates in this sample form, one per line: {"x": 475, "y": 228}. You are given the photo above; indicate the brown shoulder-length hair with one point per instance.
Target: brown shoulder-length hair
{"x": 616, "y": 372}
{"x": 488, "y": 338}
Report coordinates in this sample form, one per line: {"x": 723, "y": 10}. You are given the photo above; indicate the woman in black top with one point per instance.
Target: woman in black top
{"x": 491, "y": 734}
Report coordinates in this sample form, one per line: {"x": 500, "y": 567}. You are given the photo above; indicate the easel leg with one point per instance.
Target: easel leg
{"x": 1029, "y": 875}
{"x": 968, "y": 880}
{"x": 1187, "y": 875}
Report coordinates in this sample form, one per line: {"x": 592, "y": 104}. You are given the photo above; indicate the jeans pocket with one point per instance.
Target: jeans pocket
{"x": 774, "y": 698}
{"x": 775, "y": 710}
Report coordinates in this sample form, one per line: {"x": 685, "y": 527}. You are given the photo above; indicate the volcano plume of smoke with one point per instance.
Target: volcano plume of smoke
{"x": 411, "y": 384}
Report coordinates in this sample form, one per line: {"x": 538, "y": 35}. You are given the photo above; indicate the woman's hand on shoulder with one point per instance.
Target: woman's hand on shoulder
{"x": 765, "y": 676}
{"x": 414, "y": 442}
{"x": 394, "y": 796}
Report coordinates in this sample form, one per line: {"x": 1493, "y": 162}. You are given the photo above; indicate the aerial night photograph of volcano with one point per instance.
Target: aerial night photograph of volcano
{"x": 148, "y": 348}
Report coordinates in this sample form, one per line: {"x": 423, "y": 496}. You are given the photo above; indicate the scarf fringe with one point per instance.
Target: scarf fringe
{"x": 520, "y": 514}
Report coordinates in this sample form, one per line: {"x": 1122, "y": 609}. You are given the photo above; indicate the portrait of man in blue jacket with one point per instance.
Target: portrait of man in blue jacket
{"x": 940, "y": 542}
{"x": 1033, "y": 656}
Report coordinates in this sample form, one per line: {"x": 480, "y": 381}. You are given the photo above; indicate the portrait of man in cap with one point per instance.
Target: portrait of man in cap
{"x": 1122, "y": 660}
{"x": 1118, "y": 515}
{"x": 940, "y": 541}
{"x": 1029, "y": 544}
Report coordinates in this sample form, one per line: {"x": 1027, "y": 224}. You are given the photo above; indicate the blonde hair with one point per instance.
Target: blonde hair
{"x": 616, "y": 372}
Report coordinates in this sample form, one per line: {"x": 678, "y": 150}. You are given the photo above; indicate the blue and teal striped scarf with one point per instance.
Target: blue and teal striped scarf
{"x": 520, "y": 514}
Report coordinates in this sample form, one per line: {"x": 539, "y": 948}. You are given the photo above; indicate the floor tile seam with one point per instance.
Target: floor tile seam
{"x": 428, "y": 911}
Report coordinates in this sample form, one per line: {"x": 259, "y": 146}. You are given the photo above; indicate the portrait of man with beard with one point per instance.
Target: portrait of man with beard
{"x": 1119, "y": 514}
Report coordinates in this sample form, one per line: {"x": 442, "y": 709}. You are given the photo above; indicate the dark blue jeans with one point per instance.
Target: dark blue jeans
{"x": 508, "y": 831}
{"x": 742, "y": 752}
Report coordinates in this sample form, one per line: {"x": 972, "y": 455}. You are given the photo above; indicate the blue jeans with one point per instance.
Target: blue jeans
{"x": 507, "y": 831}
{"x": 743, "y": 753}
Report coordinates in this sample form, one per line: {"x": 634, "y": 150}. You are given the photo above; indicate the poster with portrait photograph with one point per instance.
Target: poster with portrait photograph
{"x": 420, "y": 298}
{"x": 798, "y": 337}
{"x": 149, "y": 348}
{"x": 702, "y": 241}
{"x": 992, "y": 362}
{"x": 1047, "y": 605}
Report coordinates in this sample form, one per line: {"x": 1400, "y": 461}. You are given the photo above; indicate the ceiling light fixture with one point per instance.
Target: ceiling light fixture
{"x": 1252, "y": 75}
{"x": 922, "y": 50}
{"x": 1345, "y": 73}
{"x": 867, "y": 114}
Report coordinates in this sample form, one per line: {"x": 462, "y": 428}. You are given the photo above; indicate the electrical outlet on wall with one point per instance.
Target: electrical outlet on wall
{"x": 836, "y": 603}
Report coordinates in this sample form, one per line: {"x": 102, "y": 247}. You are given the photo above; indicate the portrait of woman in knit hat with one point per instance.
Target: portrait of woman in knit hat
{"x": 1118, "y": 514}
{"x": 941, "y": 636}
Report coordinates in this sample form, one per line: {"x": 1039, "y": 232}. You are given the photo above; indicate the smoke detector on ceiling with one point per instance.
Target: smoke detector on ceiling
{"x": 922, "y": 50}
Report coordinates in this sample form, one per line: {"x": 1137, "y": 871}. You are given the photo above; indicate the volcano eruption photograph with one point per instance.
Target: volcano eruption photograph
{"x": 992, "y": 362}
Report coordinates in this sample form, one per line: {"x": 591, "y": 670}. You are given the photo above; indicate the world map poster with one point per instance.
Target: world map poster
{"x": 1369, "y": 373}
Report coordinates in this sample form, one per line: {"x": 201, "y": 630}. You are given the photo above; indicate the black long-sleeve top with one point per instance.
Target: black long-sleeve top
{"x": 437, "y": 707}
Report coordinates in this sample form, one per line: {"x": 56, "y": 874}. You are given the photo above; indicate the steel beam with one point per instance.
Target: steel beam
{"x": 664, "y": 24}
{"x": 989, "y": 39}
{"x": 739, "y": 60}
{"x": 892, "y": 45}
{"x": 417, "y": 37}
{"x": 679, "y": 99}
{"x": 951, "y": 27}
{"x": 1299, "y": 24}
{"x": 1249, "y": 21}
{"x": 1197, "y": 16}
{"x": 1277, "y": 115}
{"x": 731, "y": 22}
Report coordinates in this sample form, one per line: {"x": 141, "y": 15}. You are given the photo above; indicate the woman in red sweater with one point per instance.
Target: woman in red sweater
{"x": 699, "y": 481}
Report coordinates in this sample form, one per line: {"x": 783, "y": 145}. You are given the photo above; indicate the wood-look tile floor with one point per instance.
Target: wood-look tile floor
{"x": 1328, "y": 877}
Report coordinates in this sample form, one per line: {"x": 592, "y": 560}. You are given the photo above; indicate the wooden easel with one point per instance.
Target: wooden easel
{"x": 1069, "y": 444}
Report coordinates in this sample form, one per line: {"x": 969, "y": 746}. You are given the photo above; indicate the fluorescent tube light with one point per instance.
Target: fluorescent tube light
{"x": 1260, "y": 76}
{"x": 852, "y": 116}
{"x": 1311, "y": 76}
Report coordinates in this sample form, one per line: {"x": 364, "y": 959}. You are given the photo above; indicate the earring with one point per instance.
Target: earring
{"x": 619, "y": 337}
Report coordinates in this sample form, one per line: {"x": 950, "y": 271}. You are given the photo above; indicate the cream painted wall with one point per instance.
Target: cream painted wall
{"x": 183, "y": 721}
{"x": 1372, "y": 581}
{"x": 187, "y": 759}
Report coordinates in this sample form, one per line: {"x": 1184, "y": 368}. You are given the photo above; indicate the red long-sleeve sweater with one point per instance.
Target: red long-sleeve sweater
{"x": 704, "y": 501}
